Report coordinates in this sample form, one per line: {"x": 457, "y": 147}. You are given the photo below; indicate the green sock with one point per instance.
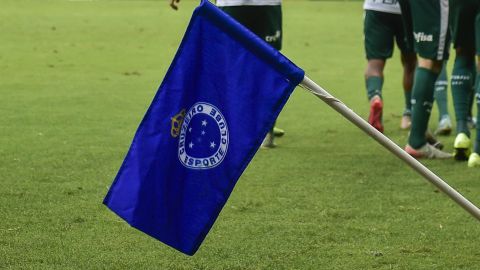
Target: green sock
{"x": 408, "y": 101}
{"x": 441, "y": 93}
{"x": 374, "y": 86}
{"x": 462, "y": 80}
{"x": 474, "y": 87}
{"x": 422, "y": 101}
{"x": 477, "y": 99}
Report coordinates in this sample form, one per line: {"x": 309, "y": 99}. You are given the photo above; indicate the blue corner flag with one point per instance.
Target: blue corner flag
{"x": 219, "y": 98}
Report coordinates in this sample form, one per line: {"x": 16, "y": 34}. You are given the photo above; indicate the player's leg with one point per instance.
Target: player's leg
{"x": 374, "y": 78}
{"x": 444, "y": 123}
{"x": 474, "y": 159}
{"x": 430, "y": 25}
{"x": 462, "y": 24}
{"x": 378, "y": 37}
{"x": 462, "y": 81}
{"x": 374, "y": 84}
{"x": 272, "y": 33}
{"x": 425, "y": 77}
{"x": 471, "y": 119}
{"x": 409, "y": 62}
{"x": 462, "y": 84}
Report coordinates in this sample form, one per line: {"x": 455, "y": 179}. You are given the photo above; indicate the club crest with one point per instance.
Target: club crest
{"x": 203, "y": 141}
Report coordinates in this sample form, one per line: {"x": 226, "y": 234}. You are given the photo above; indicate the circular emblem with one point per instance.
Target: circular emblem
{"x": 203, "y": 139}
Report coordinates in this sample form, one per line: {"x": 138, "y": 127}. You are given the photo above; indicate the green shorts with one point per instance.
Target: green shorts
{"x": 465, "y": 24}
{"x": 380, "y": 29}
{"x": 426, "y": 23}
{"x": 264, "y": 21}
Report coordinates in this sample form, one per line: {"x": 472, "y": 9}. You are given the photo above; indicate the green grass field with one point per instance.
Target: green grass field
{"x": 76, "y": 78}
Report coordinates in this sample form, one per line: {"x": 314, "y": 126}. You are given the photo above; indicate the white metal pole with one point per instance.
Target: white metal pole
{"x": 340, "y": 107}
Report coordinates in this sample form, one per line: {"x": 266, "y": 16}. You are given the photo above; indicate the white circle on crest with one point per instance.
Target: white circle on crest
{"x": 212, "y": 160}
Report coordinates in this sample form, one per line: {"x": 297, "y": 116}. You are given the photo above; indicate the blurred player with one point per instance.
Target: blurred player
{"x": 382, "y": 28}
{"x": 426, "y": 22}
{"x": 465, "y": 25}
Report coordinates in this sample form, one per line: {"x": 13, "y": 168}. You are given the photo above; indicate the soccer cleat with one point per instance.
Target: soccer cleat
{"x": 444, "y": 126}
{"x": 278, "y": 132}
{"x": 462, "y": 146}
{"x": 406, "y": 121}
{"x": 268, "y": 141}
{"x": 427, "y": 151}
{"x": 432, "y": 140}
{"x": 375, "y": 117}
{"x": 474, "y": 160}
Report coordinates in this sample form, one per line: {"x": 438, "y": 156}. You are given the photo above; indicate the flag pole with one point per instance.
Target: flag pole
{"x": 340, "y": 107}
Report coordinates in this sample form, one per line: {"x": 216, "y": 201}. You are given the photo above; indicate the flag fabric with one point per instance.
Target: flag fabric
{"x": 220, "y": 96}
